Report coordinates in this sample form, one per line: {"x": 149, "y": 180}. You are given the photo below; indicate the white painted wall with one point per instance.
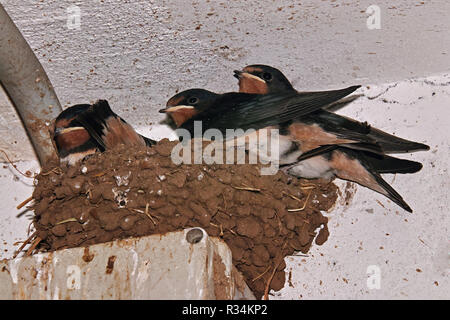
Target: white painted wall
{"x": 136, "y": 54}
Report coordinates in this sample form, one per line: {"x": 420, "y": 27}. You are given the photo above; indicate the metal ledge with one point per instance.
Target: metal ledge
{"x": 179, "y": 265}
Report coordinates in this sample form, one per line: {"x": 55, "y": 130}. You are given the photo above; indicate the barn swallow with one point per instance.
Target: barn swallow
{"x": 245, "y": 111}
{"x": 361, "y": 167}
{"x": 234, "y": 110}
{"x": 264, "y": 79}
{"x": 84, "y": 129}
{"x": 72, "y": 140}
{"x": 316, "y": 153}
{"x": 108, "y": 129}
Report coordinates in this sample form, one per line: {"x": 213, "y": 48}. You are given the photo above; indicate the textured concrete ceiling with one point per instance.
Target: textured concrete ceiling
{"x": 137, "y": 54}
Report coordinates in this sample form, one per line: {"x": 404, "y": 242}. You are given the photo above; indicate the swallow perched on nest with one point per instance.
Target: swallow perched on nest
{"x": 325, "y": 144}
{"x": 262, "y": 79}
{"x": 73, "y": 142}
{"x": 243, "y": 110}
{"x": 83, "y": 129}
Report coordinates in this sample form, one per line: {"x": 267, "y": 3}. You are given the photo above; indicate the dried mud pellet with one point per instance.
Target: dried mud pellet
{"x": 244, "y": 210}
{"x": 185, "y": 211}
{"x": 290, "y": 221}
{"x": 269, "y": 232}
{"x": 322, "y": 236}
{"x": 272, "y": 249}
{"x": 246, "y": 258}
{"x": 93, "y": 212}
{"x": 198, "y": 209}
{"x": 304, "y": 236}
{"x": 224, "y": 220}
{"x": 84, "y": 216}
{"x": 274, "y": 223}
{"x": 259, "y": 285}
{"x": 205, "y": 194}
{"x": 224, "y": 176}
{"x": 112, "y": 223}
{"x": 157, "y": 203}
{"x": 211, "y": 231}
{"x": 240, "y": 242}
{"x": 283, "y": 230}
{"x": 260, "y": 256}
{"x": 94, "y": 195}
{"x": 141, "y": 227}
{"x": 213, "y": 205}
{"x": 59, "y": 243}
{"x": 237, "y": 253}
{"x": 248, "y": 227}
{"x": 42, "y": 234}
{"x": 76, "y": 184}
{"x": 282, "y": 214}
{"x": 240, "y": 197}
{"x": 184, "y": 194}
{"x": 277, "y": 194}
{"x": 282, "y": 265}
{"x": 267, "y": 213}
{"x": 54, "y": 179}
{"x": 75, "y": 213}
{"x": 279, "y": 206}
{"x": 102, "y": 216}
{"x": 296, "y": 244}
{"x": 176, "y": 201}
{"x": 41, "y": 207}
{"x": 167, "y": 211}
{"x": 322, "y": 220}
{"x": 107, "y": 193}
{"x": 74, "y": 227}
{"x": 147, "y": 163}
{"x": 128, "y": 222}
{"x": 179, "y": 221}
{"x": 59, "y": 230}
{"x": 177, "y": 179}
{"x": 38, "y": 194}
{"x": 163, "y": 149}
{"x": 203, "y": 219}
{"x": 105, "y": 236}
{"x": 62, "y": 192}
{"x": 278, "y": 280}
{"x": 73, "y": 171}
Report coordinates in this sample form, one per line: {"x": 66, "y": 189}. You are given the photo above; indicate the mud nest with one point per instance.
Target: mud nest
{"x": 131, "y": 192}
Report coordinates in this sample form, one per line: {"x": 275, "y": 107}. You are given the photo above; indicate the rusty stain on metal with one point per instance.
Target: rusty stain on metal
{"x": 110, "y": 264}
{"x": 86, "y": 256}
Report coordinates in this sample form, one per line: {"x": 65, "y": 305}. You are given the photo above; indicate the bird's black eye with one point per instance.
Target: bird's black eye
{"x": 193, "y": 100}
{"x": 267, "y": 76}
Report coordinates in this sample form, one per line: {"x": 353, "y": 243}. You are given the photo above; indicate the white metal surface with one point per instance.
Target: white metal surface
{"x": 154, "y": 267}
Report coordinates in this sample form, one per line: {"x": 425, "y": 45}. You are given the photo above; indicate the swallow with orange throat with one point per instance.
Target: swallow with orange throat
{"x": 84, "y": 129}
{"x": 241, "y": 112}
{"x": 245, "y": 111}
{"x": 72, "y": 141}
{"x": 327, "y": 145}
{"x": 263, "y": 79}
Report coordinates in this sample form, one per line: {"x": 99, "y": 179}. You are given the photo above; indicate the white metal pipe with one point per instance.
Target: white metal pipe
{"x": 28, "y": 87}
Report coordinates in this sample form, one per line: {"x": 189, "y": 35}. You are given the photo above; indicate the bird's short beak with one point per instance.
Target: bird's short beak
{"x": 179, "y": 114}
{"x": 237, "y": 74}
{"x": 242, "y": 74}
{"x": 175, "y": 109}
